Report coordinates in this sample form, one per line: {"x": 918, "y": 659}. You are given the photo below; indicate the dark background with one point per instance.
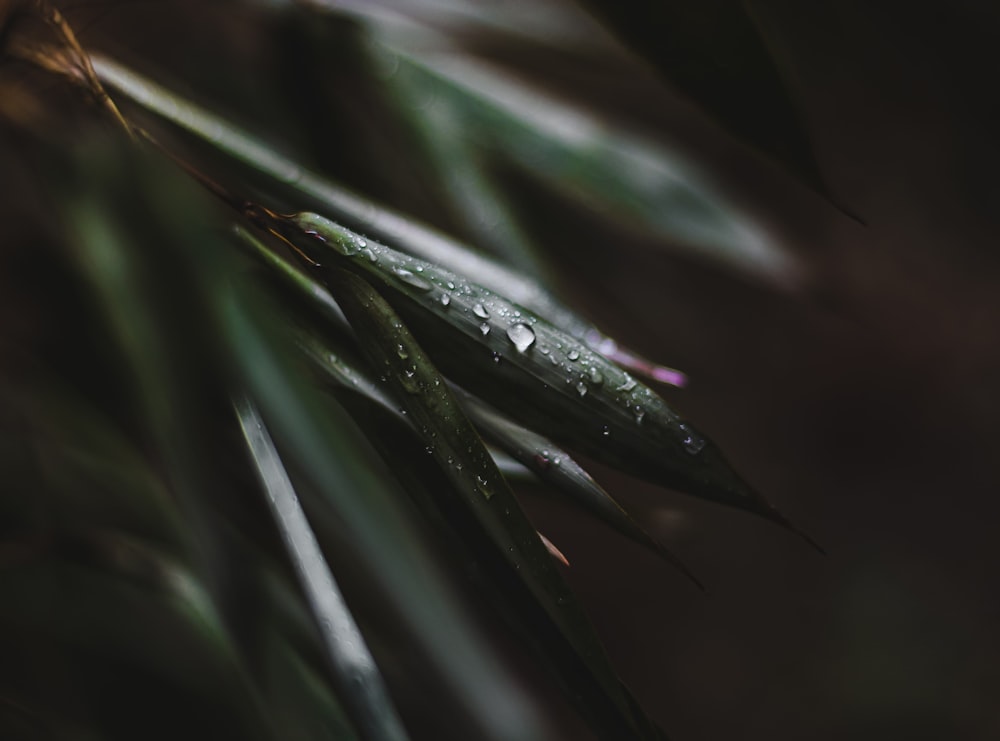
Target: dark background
{"x": 862, "y": 399}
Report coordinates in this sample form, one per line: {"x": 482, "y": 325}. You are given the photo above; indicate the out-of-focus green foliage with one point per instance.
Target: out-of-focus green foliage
{"x": 219, "y": 515}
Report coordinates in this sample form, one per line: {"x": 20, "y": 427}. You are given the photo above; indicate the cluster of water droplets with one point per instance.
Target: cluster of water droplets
{"x": 584, "y": 369}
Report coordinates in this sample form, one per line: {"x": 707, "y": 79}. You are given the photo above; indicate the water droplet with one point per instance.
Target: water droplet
{"x": 371, "y": 255}
{"x": 639, "y": 413}
{"x": 412, "y": 279}
{"x": 521, "y": 335}
{"x": 484, "y": 328}
{"x": 573, "y": 354}
{"x": 362, "y": 243}
{"x": 605, "y": 431}
{"x": 581, "y": 388}
{"x": 692, "y": 442}
{"x": 595, "y": 376}
{"x": 408, "y": 383}
{"x": 627, "y": 385}
{"x": 445, "y": 299}
{"x": 480, "y": 311}
{"x": 401, "y": 352}
{"x": 451, "y": 285}
{"x": 543, "y": 349}
{"x": 497, "y": 357}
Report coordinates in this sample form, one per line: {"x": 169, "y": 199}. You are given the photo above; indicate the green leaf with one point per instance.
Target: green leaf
{"x": 557, "y": 467}
{"x": 358, "y": 679}
{"x": 324, "y": 445}
{"x": 544, "y": 378}
{"x": 537, "y": 454}
{"x": 366, "y": 216}
{"x": 125, "y": 234}
{"x": 635, "y": 181}
{"x": 451, "y": 439}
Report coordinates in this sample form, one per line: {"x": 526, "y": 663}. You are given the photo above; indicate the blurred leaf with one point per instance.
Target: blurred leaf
{"x": 110, "y": 610}
{"x": 626, "y": 178}
{"x": 714, "y": 53}
{"x": 537, "y": 454}
{"x": 555, "y": 466}
{"x": 542, "y": 377}
{"x": 451, "y": 440}
{"x": 91, "y": 475}
{"x": 441, "y": 127}
{"x": 364, "y": 215}
{"x": 359, "y": 682}
{"x": 389, "y": 549}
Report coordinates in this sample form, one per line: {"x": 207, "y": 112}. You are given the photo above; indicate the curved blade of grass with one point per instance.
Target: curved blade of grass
{"x": 546, "y": 379}
{"x": 554, "y": 465}
{"x": 359, "y": 682}
{"x": 383, "y": 542}
{"x": 440, "y": 128}
{"x": 453, "y": 441}
{"x": 529, "y": 452}
{"x": 382, "y": 223}
{"x": 574, "y": 151}
{"x": 537, "y": 453}
{"x": 125, "y": 231}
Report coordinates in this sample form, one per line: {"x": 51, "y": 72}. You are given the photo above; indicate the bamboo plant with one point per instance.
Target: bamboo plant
{"x": 254, "y": 436}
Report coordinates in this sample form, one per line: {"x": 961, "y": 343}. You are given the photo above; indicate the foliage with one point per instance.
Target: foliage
{"x": 247, "y": 492}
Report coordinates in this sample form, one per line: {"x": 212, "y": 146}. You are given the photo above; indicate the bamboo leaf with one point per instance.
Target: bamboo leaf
{"x": 366, "y": 216}
{"x": 166, "y": 345}
{"x": 555, "y": 466}
{"x": 536, "y": 453}
{"x": 358, "y": 679}
{"x": 451, "y": 439}
{"x": 622, "y": 175}
{"x": 406, "y": 582}
{"x": 546, "y": 379}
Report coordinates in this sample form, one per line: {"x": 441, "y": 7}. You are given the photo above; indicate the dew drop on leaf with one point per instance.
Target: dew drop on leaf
{"x": 628, "y": 384}
{"x": 484, "y": 328}
{"x": 412, "y": 279}
{"x": 445, "y": 299}
{"x": 581, "y": 388}
{"x": 692, "y": 443}
{"x": 521, "y": 335}
{"x": 573, "y": 354}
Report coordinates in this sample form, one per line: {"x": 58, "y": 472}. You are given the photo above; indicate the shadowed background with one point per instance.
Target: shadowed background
{"x": 856, "y": 385}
